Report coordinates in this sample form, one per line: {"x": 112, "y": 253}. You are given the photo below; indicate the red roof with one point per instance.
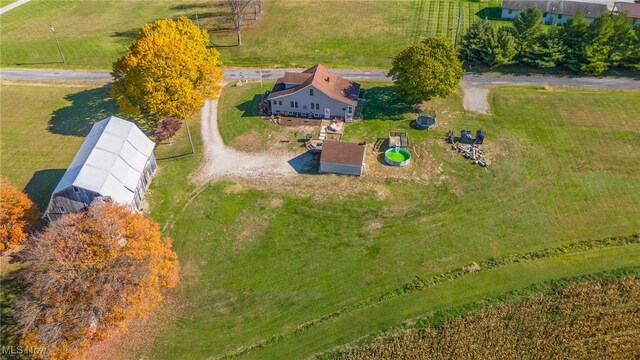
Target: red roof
{"x": 322, "y": 79}
{"x": 345, "y": 153}
{"x": 632, "y": 9}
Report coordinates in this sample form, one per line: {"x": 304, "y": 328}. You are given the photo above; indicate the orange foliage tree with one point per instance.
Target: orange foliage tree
{"x": 17, "y": 214}
{"x": 87, "y": 274}
{"x": 167, "y": 70}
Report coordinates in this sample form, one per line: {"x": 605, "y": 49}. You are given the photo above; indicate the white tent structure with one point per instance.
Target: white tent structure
{"x": 116, "y": 161}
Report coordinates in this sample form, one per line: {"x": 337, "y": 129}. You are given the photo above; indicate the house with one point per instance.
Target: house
{"x": 342, "y": 158}
{"x": 315, "y": 93}
{"x": 631, "y": 9}
{"x": 115, "y": 161}
{"x": 557, "y": 11}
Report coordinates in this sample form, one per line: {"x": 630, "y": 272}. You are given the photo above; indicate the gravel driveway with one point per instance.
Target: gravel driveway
{"x": 222, "y": 161}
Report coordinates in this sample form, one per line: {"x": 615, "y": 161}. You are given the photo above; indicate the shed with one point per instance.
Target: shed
{"x": 115, "y": 161}
{"x": 342, "y": 158}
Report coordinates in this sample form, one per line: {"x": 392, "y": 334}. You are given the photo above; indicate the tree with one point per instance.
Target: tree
{"x": 236, "y": 8}
{"x": 87, "y": 274}
{"x": 550, "y": 52}
{"x": 482, "y": 43}
{"x": 574, "y": 38}
{"x": 598, "y": 46}
{"x": 623, "y": 40}
{"x": 527, "y": 31}
{"x": 166, "y": 71}
{"x": 167, "y": 128}
{"x": 505, "y": 47}
{"x": 475, "y": 45}
{"x": 633, "y": 58}
{"x": 428, "y": 69}
{"x": 17, "y": 215}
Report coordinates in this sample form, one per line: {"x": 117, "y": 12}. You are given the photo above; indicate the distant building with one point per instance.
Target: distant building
{"x": 342, "y": 158}
{"x": 631, "y": 9}
{"x": 315, "y": 93}
{"x": 558, "y": 11}
{"x": 115, "y": 161}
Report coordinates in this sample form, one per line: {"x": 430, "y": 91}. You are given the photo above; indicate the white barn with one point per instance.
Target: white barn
{"x": 115, "y": 161}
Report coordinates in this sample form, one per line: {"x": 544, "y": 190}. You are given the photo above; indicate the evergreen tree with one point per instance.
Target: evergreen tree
{"x": 574, "y": 38}
{"x": 633, "y": 58}
{"x": 623, "y": 41}
{"x": 550, "y": 50}
{"x": 598, "y": 46}
{"x": 528, "y": 31}
{"x": 505, "y": 48}
{"x": 476, "y": 46}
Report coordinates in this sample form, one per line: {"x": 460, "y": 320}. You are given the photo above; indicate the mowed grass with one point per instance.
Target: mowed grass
{"x": 259, "y": 263}
{"x": 346, "y": 34}
{"x": 42, "y": 128}
{"x": 92, "y": 34}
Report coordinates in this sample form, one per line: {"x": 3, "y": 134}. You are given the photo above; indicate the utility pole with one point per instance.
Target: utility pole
{"x": 455, "y": 43}
{"x": 186, "y": 121}
{"x": 53, "y": 31}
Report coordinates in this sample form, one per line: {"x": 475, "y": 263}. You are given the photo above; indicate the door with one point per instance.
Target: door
{"x": 327, "y": 113}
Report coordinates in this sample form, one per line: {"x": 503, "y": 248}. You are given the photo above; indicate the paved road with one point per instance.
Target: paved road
{"x": 12, "y": 6}
{"x": 379, "y": 75}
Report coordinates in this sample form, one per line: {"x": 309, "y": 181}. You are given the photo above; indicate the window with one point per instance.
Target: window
{"x": 312, "y": 107}
{"x": 344, "y": 109}
{"x": 310, "y": 92}
{"x": 76, "y": 190}
{"x": 559, "y": 16}
{"x": 296, "y": 105}
{"x": 317, "y": 106}
{"x": 510, "y": 12}
{"x": 350, "y": 110}
{"x": 292, "y": 104}
{"x": 275, "y": 102}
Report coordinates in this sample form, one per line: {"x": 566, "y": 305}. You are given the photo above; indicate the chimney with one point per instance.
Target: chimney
{"x": 327, "y": 79}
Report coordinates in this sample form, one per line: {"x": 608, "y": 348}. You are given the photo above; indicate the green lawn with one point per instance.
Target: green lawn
{"x": 347, "y": 34}
{"x": 257, "y": 263}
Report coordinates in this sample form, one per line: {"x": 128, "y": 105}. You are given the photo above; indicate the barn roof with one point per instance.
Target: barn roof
{"x": 322, "y": 79}
{"x": 111, "y": 160}
{"x": 345, "y": 153}
{"x": 590, "y": 8}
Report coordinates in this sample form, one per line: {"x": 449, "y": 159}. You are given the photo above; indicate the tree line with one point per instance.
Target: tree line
{"x": 582, "y": 47}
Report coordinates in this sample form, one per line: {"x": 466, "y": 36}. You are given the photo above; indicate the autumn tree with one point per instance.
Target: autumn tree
{"x": 237, "y": 9}
{"x": 17, "y": 215}
{"x": 167, "y": 128}
{"x": 428, "y": 69}
{"x": 167, "y": 70}
{"x": 87, "y": 274}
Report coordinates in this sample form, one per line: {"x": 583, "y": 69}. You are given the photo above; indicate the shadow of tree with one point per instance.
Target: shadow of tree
{"x": 385, "y": 103}
{"x": 41, "y": 185}
{"x": 126, "y": 37}
{"x": 87, "y": 107}
{"x": 190, "y": 6}
{"x": 250, "y": 108}
{"x": 491, "y": 13}
{"x": 10, "y": 290}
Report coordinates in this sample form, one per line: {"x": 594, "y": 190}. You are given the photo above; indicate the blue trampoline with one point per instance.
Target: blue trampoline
{"x": 425, "y": 121}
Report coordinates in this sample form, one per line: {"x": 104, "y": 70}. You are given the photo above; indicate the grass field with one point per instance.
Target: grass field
{"x": 259, "y": 263}
{"x": 360, "y": 34}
